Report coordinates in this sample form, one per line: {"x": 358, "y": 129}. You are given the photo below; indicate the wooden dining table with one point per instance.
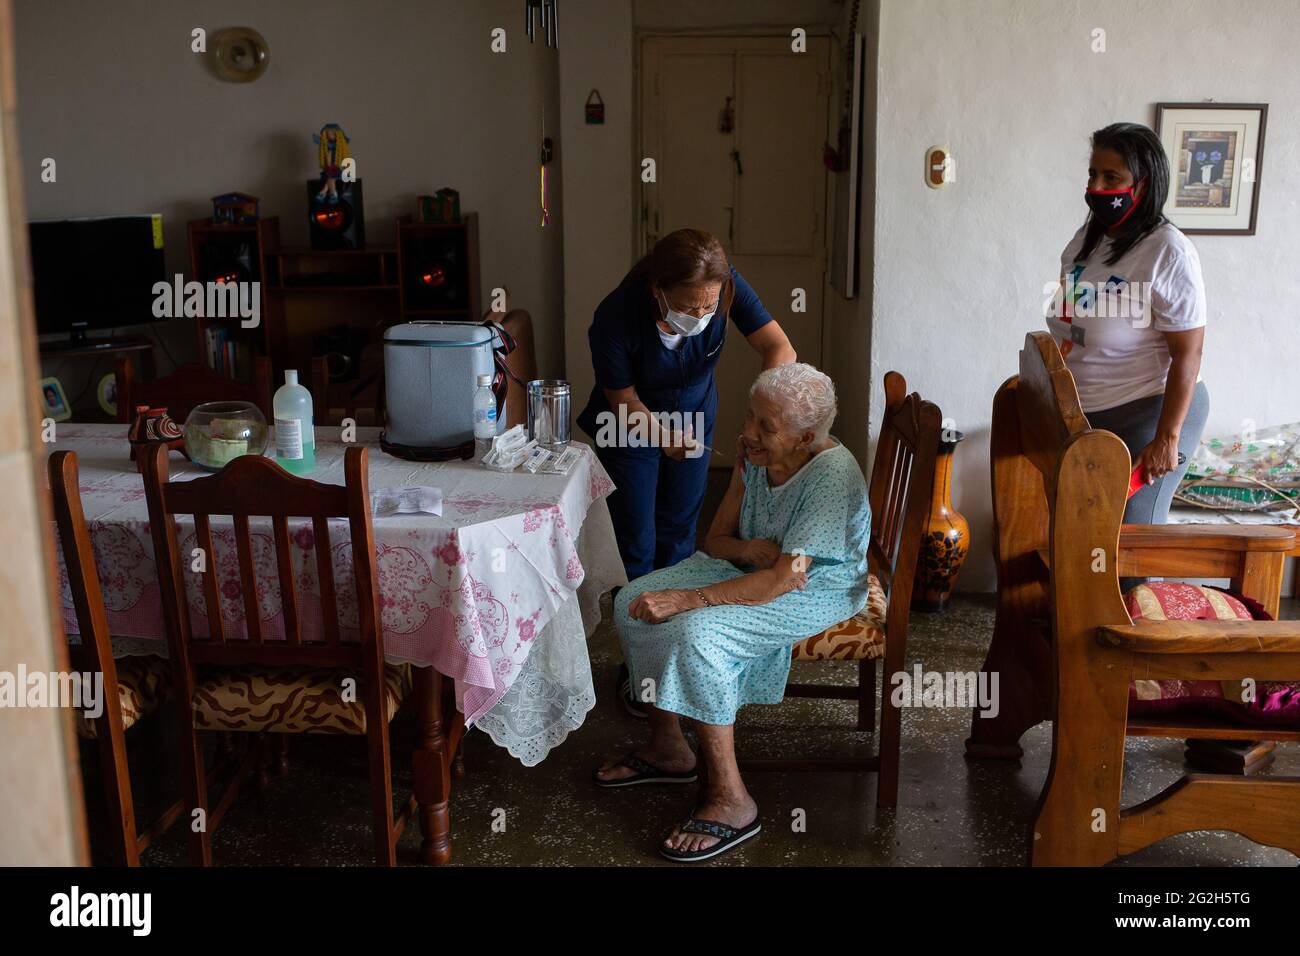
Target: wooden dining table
{"x": 499, "y": 592}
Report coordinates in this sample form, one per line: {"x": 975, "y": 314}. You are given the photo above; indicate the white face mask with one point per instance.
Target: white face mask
{"x": 682, "y": 323}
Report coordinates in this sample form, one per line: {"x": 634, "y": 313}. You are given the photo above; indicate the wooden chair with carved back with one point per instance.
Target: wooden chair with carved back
{"x": 1096, "y": 650}
{"x": 902, "y": 479}
{"x": 133, "y": 688}
{"x": 256, "y": 680}
{"x": 190, "y": 385}
{"x": 1250, "y": 557}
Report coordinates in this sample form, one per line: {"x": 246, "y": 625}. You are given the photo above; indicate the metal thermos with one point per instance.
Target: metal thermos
{"x": 548, "y": 413}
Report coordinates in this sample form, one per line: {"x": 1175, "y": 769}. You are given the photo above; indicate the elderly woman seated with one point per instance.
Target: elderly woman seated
{"x": 785, "y": 558}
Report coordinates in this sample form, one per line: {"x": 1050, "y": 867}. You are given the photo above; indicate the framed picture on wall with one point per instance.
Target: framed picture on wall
{"x": 54, "y": 402}
{"x": 1215, "y": 154}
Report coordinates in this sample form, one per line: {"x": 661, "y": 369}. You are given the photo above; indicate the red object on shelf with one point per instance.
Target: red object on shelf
{"x": 330, "y": 217}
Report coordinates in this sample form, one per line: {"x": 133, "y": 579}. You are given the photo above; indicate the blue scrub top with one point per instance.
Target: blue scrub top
{"x": 626, "y": 350}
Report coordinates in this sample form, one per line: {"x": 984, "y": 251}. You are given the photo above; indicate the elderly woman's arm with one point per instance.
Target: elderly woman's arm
{"x": 758, "y": 587}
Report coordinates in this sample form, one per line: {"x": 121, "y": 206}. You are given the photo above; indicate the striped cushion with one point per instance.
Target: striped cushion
{"x": 291, "y": 700}
{"x": 142, "y": 684}
{"x": 861, "y": 637}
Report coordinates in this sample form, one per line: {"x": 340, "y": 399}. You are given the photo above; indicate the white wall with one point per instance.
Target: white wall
{"x": 137, "y": 122}
{"x": 1012, "y": 87}
{"x": 599, "y": 171}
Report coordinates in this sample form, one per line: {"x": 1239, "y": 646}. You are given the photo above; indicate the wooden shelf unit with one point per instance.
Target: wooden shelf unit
{"x": 307, "y": 292}
{"x": 204, "y": 233}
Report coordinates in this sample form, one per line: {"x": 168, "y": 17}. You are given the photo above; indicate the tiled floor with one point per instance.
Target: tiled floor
{"x": 951, "y": 811}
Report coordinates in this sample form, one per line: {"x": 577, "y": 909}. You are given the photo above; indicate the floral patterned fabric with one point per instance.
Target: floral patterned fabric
{"x": 470, "y": 592}
{"x": 1273, "y": 702}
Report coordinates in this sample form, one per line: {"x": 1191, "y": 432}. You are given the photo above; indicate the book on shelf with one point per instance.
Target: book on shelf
{"x": 226, "y": 354}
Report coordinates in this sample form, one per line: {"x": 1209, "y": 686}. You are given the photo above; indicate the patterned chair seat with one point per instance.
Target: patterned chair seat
{"x": 291, "y": 700}
{"x": 861, "y": 637}
{"x": 142, "y": 685}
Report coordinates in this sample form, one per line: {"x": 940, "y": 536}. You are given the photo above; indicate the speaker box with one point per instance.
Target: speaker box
{"x": 436, "y": 267}
{"x": 336, "y": 225}
{"x": 228, "y": 260}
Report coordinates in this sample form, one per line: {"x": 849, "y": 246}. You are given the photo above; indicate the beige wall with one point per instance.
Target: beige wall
{"x": 600, "y": 171}
{"x": 138, "y": 123}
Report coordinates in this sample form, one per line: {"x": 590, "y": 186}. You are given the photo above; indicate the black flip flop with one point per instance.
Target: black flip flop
{"x": 646, "y": 772}
{"x": 729, "y": 838}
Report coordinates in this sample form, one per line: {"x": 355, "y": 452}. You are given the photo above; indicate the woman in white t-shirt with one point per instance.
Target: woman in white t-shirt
{"x": 1129, "y": 315}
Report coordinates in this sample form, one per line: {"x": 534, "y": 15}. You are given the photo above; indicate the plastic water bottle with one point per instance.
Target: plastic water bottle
{"x": 485, "y": 416}
{"x": 295, "y": 432}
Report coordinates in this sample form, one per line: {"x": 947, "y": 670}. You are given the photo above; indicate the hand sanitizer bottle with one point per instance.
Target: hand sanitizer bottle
{"x": 295, "y": 434}
{"x": 485, "y": 416}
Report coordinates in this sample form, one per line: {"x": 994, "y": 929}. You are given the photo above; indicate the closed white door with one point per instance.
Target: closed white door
{"x": 736, "y": 127}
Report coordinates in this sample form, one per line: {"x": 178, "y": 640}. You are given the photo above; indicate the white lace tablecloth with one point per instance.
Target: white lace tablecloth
{"x": 499, "y": 592}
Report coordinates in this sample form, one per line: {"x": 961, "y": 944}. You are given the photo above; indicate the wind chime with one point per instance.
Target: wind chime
{"x": 551, "y": 30}
{"x": 548, "y": 153}
{"x": 550, "y": 21}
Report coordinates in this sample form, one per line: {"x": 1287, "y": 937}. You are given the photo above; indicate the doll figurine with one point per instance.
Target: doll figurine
{"x": 333, "y": 152}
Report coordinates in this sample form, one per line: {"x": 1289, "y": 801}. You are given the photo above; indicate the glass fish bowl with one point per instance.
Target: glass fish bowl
{"x": 219, "y": 432}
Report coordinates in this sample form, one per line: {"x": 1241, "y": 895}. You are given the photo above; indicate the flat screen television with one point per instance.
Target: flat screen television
{"x": 94, "y": 273}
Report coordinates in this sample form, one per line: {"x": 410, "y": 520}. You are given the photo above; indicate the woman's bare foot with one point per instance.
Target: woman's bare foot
{"x": 735, "y": 809}
{"x": 678, "y": 758}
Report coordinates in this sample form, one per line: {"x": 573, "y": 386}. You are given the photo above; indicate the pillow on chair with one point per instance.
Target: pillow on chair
{"x": 1275, "y": 703}
{"x": 860, "y": 638}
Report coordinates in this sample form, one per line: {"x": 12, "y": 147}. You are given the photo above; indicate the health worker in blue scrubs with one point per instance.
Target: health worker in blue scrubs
{"x": 655, "y": 342}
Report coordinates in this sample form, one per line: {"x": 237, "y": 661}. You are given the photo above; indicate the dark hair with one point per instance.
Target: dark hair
{"x": 686, "y": 257}
{"x": 1144, "y": 155}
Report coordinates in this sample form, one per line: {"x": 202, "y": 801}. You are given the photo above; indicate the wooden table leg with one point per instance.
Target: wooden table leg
{"x": 431, "y": 767}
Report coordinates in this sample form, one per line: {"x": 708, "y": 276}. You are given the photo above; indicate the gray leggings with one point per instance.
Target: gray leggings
{"x": 1135, "y": 424}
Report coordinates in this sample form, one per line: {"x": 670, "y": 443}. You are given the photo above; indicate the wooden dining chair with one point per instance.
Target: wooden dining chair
{"x": 902, "y": 479}
{"x": 1076, "y": 488}
{"x": 249, "y": 681}
{"x": 190, "y": 385}
{"x": 133, "y": 688}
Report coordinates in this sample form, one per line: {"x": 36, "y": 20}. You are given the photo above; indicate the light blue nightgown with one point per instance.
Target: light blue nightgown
{"x": 707, "y": 663}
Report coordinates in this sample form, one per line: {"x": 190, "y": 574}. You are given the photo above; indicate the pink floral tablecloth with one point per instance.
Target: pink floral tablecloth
{"x": 513, "y": 569}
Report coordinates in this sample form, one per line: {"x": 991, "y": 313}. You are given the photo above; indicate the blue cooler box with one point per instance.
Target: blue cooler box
{"x": 431, "y": 371}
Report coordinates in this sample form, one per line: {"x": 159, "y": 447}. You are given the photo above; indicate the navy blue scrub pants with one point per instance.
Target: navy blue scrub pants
{"x": 655, "y": 504}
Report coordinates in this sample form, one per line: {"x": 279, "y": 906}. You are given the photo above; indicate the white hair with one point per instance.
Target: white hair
{"x": 805, "y": 395}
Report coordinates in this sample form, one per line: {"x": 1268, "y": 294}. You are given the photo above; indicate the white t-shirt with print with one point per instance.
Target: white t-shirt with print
{"x": 1109, "y": 320}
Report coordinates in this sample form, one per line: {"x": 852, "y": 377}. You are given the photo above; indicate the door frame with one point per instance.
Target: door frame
{"x": 644, "y": 140}
{"x": 42, "y": 811}
{"x": 763, "y": 39}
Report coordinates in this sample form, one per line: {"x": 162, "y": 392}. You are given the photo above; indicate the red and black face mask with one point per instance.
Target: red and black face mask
{"x": 1112, "y": 206}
